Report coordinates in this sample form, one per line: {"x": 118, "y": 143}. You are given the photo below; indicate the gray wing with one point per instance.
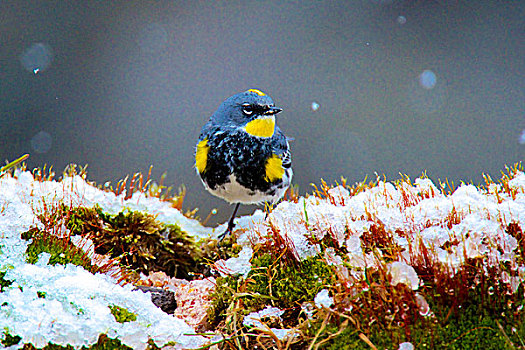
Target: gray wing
{"x": 281, "y": 147}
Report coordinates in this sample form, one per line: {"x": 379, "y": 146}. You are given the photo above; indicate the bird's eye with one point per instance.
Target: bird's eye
{"x": 247, "y": 109}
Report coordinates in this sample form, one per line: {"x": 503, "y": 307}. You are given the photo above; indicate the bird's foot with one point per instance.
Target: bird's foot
{"x": 228, "y": 231}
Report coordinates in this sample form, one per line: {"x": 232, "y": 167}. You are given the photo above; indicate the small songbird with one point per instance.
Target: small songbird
{"x": 242, "y": 156}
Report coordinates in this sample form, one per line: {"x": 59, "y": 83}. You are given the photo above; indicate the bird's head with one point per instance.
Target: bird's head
{"x": 251, "y": 110}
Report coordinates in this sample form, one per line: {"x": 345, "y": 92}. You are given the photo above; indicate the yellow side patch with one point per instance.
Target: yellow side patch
{"x": 274, "y": 168}
{"x": 261, "y": 127}
{"x": 258, "y": 92}
{"x": 201, "y": 156}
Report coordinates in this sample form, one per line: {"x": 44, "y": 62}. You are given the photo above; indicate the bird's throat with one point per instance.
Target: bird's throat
{"x": 261, "y": 127}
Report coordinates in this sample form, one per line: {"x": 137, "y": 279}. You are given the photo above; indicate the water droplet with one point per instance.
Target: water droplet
{"x": 401, "y": 20}
{"x": 491, "y": 290}
{"x": 37, "y": 58}
{"x": 422, "y": 305}
{"x": 214, "y": 211}
{"x": 315, "y": 106}
{"x": 427, "y": 79}
{"x": 521, "y": 140}
{"x": 425, "y": 95}
{"x": 41, "y": 142}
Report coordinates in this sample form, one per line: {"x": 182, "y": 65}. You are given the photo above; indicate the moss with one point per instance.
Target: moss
{"x": 222, "y": 297}
{"x": 103, "y": 343}
{"x": 76, "y": 308}
{"x": 479, "y": 323}
{"x": 121, "y": 314}
{"x": 271, "y": 279}
{"x": 41, "y": 294}
{"x": 4, "y": 282}
{"x": 145, "y": 245}
{"x": 212, "y": 251}
{"x": 291, "y": 284}
{"x": 135, "y": 239}
{"x": 8, "y": 340}
{"x": 62, "y": 250}
{"x": 138, "y": 240}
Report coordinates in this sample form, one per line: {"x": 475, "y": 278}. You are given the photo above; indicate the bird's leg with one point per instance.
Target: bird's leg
{"x": 267, "y": 210}
{"x": 231, "y": 225}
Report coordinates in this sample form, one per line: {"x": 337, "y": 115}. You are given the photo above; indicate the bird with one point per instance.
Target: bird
{"x": 241, "y": 155}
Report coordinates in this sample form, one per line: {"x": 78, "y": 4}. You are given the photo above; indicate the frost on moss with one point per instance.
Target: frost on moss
{"x": 271, "y": 280}
{"x": 406, "y": 262}
{"x": 61, "y": 250}
{"x": 135, "y": 239}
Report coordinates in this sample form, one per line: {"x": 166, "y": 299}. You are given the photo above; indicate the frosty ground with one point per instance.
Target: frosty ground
{"x": 456, "y": 224}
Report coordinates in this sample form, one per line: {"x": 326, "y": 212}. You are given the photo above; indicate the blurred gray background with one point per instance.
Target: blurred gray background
{"x": 366, "y": 86}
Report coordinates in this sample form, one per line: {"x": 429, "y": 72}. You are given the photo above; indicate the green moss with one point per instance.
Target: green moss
{"x": 49, "y": 346}
{"x": 137, "y": 240}
{"x": 121, "y": 314}
{"x": 77, "y": 309}
{"x": 271, "y": 279}
{"x": 291, "y": 284}
{"x": 62, "y": 250}
{"x": 103, "y": 343}
{"x": 145, "y": 245}
{"x": 222, "y": 298}
{"x": 8, "y": 339}
{"x": 4, "y": 282}
{"x": 41, "y": 294}
{"x": 479, "y": 323}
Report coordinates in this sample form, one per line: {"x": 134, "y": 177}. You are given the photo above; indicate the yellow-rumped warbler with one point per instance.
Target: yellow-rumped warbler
{"x": 241, "y": 155}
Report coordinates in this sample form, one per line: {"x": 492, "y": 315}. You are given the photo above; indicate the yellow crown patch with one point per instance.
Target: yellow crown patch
{"x": 258, "y": 92}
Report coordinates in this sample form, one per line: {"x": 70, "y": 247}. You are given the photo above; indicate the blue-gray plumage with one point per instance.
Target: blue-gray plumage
{"x": 242, "y": 156}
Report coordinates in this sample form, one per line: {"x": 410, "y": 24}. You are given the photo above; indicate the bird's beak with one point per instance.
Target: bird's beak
{"x": 273, "y": 110}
